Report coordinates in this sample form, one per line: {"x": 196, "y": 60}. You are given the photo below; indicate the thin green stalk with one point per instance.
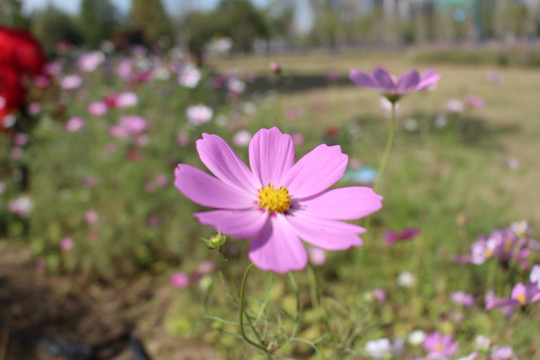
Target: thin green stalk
{"x": 317, "y": 295}
{"x": 387, "y": 149}
{"x": 259, "y": 346}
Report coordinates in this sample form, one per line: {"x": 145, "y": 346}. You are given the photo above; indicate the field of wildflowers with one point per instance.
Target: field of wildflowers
{"x": 293, "y": 208}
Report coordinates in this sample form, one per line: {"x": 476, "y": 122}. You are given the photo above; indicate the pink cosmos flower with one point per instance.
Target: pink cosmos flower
{"x": 439, "y": 346}
{"x": 241, "y": 138}
{"x": 474, "y": 101}
{"x": 199, "y": 114}
{"x": 462, "y": 298}
{"x": 66, "y": 243}
{"x": 90, "y": 61}
{"x": 277, "y": 202}
{"x": 91, "y": 216}
{"x": 521, "y": 295}
{"x": 275, "y": 67}
{"x": 317, "y": 256}
{"x": 75, "y": 124}
{"x": 179, "y": 280}
{"x": 97, "y": 108}
{"x": 70, "y": 82}
{"x": 189, "y": 76}
{"x": 391, "y": 237}
{"x": 390, "y": 86}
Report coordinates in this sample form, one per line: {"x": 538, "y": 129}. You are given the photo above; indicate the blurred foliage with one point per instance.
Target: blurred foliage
{"x": 11, "y": 13}
{"x": 98, "y": 20}
{"x": 51, "y": 26}
{"x": 150, "y": 17}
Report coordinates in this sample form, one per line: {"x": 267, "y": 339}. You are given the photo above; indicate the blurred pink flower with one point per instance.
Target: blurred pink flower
{"x": 454, "y": 105}
{"x": 253, "y": 205}
{"x": 391, "y": 87}
{"x": 298, "y": 138}
{"x": 20, "y": 139}
{"x": 182, "y": 139}
{"x": 91, "y": 216}
{"x": 319, "y": 105}
{"x": 241, "y": 138}
{"x": 474, "y": 101}
{"x": 125, "y": 69}
{"x": 70, "y": 82}
{"x": 332, "y": 75}
{"x": 34, "y": 107}
{"x": 317, "y": 256}
{"x": 16, "y": 152}
{"x": 275, "y": 67}
{"x": 512, "y": 162}
{"x": 90, "y": 61}
{"x": 66, "y": 243}
{"x": 439, "y": 346}
{"x": 292, "y": 113}
{"x": 97, "y": 108}
{"x": 463, "y": 299}
{"x": 380, "y": 295}
{"x": 199, "y": 114}
{"x": 391, "y": 237}
{"x": 162, "y": 180}
{"x": 75, "y": 124}
{"x": 179, "y": 280}
{"x": 189, "y": 76}
{"x": 206, "y": 267}
{"x": 521, "y": 295}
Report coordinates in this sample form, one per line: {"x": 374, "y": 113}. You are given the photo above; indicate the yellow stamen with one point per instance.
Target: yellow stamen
{"x": 274, "y": 200}
{"x": 521, "y": 299}
{"x": 439, "y": 347}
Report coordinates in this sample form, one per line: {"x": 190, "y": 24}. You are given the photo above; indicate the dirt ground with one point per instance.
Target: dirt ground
{"x": 42, "y": 315}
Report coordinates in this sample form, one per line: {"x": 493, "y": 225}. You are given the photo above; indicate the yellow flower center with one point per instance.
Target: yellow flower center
{"x": 521, "y": 299}
{"x": 274, "y": 200}
{"x": 439, "y": 347}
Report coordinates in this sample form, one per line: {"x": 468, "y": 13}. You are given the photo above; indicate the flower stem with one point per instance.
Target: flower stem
{"x": 388, "y": 147}
{"x": 259, "y": 346}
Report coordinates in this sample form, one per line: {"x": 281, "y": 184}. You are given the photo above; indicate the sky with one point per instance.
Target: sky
{"x": 303, "y": 19}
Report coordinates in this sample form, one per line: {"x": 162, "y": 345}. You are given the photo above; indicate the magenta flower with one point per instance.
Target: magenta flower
{"x": 277, "y": 202}
{"x": 439, "y": 346}
{"x": 391, "y": 237}
{"x": 521, "y": 295}
{"x": 179, "y": 280}
{"x": 390, "y": 86}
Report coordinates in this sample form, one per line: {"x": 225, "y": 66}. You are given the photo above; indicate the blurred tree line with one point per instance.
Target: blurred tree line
{"x": 336, "y": 23}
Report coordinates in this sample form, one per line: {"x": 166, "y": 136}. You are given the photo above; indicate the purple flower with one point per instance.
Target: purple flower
{"x": 439, "y": 346}
{"x": 462, "y": 298}
{"x": 277, "y": 202}
{"x": 521, "y": 295}
{"x": 75, "y": 124}
{"x": 391, "y": 237}
{"x": 66, "y": 243}
{"x": 390, "y": 86}
{"x": 504, "y": 352}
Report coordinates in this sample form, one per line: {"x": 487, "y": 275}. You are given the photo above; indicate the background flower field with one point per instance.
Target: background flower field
{"x": 101, "y": 233}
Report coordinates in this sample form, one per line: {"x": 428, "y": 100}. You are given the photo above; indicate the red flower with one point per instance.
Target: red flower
{"x": 21, "y": 59}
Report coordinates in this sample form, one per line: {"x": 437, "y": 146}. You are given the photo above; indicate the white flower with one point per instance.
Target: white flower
{"x": 189, "y": 76}
{"x": 406, "y": 279}
{"x": 535, "y": 275}
{"x": 483, "y": 343}
{"x": 70, "y": 82}
{"x": 454, "y": 105}
{"x": 416, "y": 337}
{"x": 241, "y": 138}
{"x": 199, "y": 114}
{"x": 378, "y": 348}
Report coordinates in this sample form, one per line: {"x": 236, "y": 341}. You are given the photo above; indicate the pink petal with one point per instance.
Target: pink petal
{"x": 428, "y": 78}
{"x": 325, "y": 234}
{"x": 384, "y": 80}
{"x": 363, "y": 79}
{"x": 316, "y": 171}
{"x": 277, "y": 248}
{"x": 271, "y": 154}
{"x": 518, "y": 290}
{"x": 343, "y": 204}
{"x": 238, "y": 223}
{"x": 223, "y": 162}
{"x": 206, "y": 190}
{"x": 408, "y": 82}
